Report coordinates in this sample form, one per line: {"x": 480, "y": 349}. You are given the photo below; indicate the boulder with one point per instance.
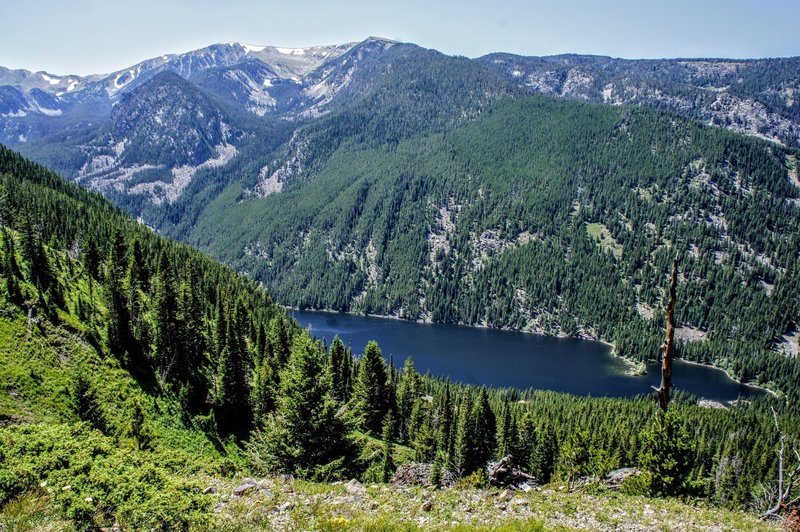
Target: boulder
{"x": 503, "y": 474}
{"x": 355, "y": 487}
{"x": 615, "y": 478}
{"x": 245, "y": 487}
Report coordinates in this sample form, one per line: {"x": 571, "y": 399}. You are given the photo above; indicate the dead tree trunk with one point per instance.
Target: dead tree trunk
{"x": 785, "y": 485}
{"x": 666, "y": 347}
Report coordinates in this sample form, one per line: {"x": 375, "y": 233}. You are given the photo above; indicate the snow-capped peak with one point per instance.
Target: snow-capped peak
{"x": 252, "y": 47}
{"x": 291, "y": 51}
{"x": 51, "y": 80}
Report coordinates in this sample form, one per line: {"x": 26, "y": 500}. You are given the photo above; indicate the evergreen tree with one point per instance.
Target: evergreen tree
{"x": 118, "y": 326}
{"x": 544, "y": 455}
{"x": 279, "y": 341}
{"x": 233, "y": 412}
{"x": 408, "y": 391}
{"x": 666, "y": 454}
{"x": 422, "y": 433}
{"x": 165, "y": 326}
{"x": 483, "y": 430}
{"x": 339, "y": 362}
{"x": 506, "y": 431}
{"x": 463, "y": 439}
{"x": 41, "y": 274}
{"x": 387, "y": 462}
{"x": 84, "y": 399}
{"x": 445, "y": 433}
{"x": 370, "y": 390}
{"x": 11, "y": 270}
{"x": 306, "y": 436}
{"x": 265, "y": 389}
{"x": 137, "y": 428}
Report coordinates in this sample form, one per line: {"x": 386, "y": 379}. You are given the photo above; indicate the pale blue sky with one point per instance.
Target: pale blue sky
{"x": 88, "y": 36}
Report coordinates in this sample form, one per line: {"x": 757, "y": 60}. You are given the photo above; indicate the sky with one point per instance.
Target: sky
{"x": 90, "y": 36}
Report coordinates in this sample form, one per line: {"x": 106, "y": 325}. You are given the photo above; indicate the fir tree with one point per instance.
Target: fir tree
{"x": 408, "y": 391}
{"x": 422, "y": 434}
{"x": 387, "y": 462}
{"x": 279, "y": 341}
{"x": 370, "y": 391}
{"x": 339, "y": 362}
{"x": 233, "y": 381}
{"x": 306, "y": 436}
{"x": 118, "y": 323}
{"x": 165, "y": 327}
{"x": 445, "y": 435}
{"x": 544, "y": 454}
{"x": 666, "y": 454}
{"x": 137, "y": 428}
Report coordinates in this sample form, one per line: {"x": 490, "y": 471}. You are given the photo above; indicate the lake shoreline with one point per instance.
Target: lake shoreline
{"x": 634, "y": 368}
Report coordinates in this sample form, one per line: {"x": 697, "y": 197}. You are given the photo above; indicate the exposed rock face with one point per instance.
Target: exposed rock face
{"x": 753, "y": 97}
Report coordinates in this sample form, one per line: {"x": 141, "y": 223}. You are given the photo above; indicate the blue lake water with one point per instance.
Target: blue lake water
{"x": 498, "y": 358}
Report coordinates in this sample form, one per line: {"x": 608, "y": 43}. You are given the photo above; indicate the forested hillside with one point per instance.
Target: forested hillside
{"x": 385, "y": 178}
{"x": 135, "y": 372}
{"x": 540, "y": 215}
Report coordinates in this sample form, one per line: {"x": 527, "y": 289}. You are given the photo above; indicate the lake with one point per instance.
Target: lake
{"x": 498, "y": 358}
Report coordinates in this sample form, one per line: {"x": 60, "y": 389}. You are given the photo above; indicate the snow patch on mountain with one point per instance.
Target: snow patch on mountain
{"x": 291, "y": 51}
{"x": 252, "y": 48}
{"x": 51, "y": 80}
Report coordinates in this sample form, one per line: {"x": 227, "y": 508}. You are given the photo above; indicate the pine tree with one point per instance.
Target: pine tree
{"x": 84, "y": 399}
{"x": 279, "y": 341}
{"x": 544, "y": 455}
{"x": 41, "y": 274}
{"x": 370, "y": 391}
{"x": 506, "y": 431}
{"x": 387, "y": 462}
{"x": 11, "y": 268}
{"x": 306, "y": 436}
{"x": 408, "y": 391}
{"x": 165, "y": 327}
{"x": 339, "y": 369}
{"x": 445, "y": 433}
{"x": 463, "y": 441}
{"x": 484, "y": 430}
{"x": 137, "y": 428}
{"x": 666, "y": 453}
{"x": 265, "y": 389}
{"x": 118, "y": 326}
{"x": 233, "y": 412}
{"x": 421, "y": 433}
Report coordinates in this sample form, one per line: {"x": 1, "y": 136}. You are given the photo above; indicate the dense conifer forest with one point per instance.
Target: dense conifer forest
{"x": 133, "y": 368}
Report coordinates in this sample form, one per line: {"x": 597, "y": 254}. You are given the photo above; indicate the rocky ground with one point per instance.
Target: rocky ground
{"x": 287, "y": 504}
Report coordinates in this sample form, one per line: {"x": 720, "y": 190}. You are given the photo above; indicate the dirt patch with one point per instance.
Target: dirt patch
{"x": 690, "y": 334}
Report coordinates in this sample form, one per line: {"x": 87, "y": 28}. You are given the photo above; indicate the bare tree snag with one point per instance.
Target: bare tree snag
{"x": 785, "y": 485}
{"x": 666, "y": 347}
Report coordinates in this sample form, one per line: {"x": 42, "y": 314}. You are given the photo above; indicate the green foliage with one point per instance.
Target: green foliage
{"x": 92, "y": 481}
{"x": 387, "y": 460}
{"x": 307, "y": 435}
{"x": 477, "y": 430}
{"x": 508, "y": 198}
{"x": 665, "y": 457}
{"x": 370, "y": 399}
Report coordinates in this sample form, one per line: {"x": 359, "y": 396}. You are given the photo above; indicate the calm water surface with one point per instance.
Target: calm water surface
{"x": 505, "y": 358}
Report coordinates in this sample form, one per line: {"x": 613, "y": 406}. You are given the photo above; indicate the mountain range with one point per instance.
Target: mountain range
{"x": 535, "y": 193}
